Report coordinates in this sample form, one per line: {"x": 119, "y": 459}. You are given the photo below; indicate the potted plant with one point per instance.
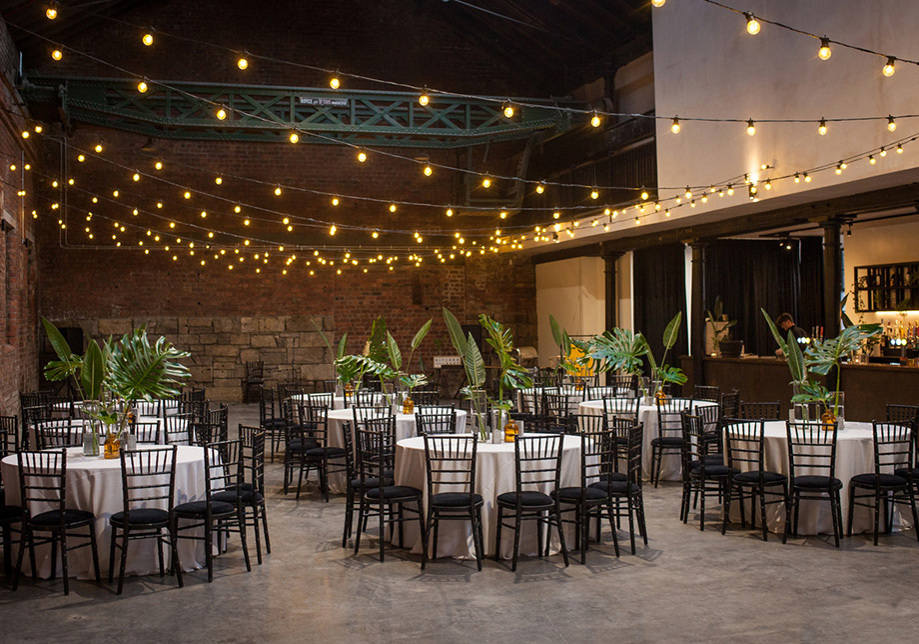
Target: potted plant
{"x": 474, "y": 366}
{"x": 512, "y": 376}
{"x": 109, "y": 377}
{"x": 664, "y": 373}
{"x": 721, "y": 330}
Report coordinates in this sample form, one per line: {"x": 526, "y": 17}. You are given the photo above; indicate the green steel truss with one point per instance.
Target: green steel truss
{"x": 181, "y": 110}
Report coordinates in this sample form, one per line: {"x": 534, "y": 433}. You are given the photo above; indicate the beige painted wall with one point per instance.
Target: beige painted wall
{"x": 883, "y": 243}
{"x": 571, "y": 290}
{"x": 706, "y": 65}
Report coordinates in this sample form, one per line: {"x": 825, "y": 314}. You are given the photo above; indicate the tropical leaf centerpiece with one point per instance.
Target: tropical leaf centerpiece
{"x": 664, "y": 372}
{"x": 112, "y": 375}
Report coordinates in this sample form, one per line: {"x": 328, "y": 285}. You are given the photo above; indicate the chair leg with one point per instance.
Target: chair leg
{"x": 762, "y": 509}
{"x": 726, "y": 512}
{"x": 174, "y": 539}
{"x": 241, "y": 520}
{"x": 477, "y": 537}
{"x": 27, "y": 536}
{"x": 64, "y": 568}
{"x": 209, "y": 548}
{"x": 255, "y": 525}
{"x": 516, "y": 541}
{"x": 561, "y": 534}
{"x": 501, "y": 524}
{"x": 111, "y": 557}
{"x": 382, "y": 526}
{"x": 124, "y": 559}
{"x": 788, "y": 503}
{"x": 834, "y": 499}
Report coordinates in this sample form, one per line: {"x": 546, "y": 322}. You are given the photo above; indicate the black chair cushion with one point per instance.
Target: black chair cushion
{"x": 713, "y": 459}
{"x": 296, "y": 444}
{"x": 527, "y": 498}
{"x": 574, "y": 493}
{"x": 455, "y": 500}
{"x": 246, "y": 497}
{"x": 668, "y": 441}
{"x": 886, "y": 480}
{"x": 10, "y": 513}
{"x": 614, "y": 487}
{"x": 199, "y": 508}
{"x": 371, "y": 482}
{"x": 816, "y": 482}
{"x": 904, "y": 472}
{"x": 769, "y": 478}
{"x": 71, "y": 518}
{"x": 326, "y": 452}
{"x": 713, "y": 470}
{"x": 141, "y": 516}
{"x": 394, "y": 493}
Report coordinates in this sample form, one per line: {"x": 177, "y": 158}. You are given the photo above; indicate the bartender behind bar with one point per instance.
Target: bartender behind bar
{"x": 786, "y": 322}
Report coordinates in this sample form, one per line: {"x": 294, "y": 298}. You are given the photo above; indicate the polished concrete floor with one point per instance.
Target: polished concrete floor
{"x": 686, "y": 585}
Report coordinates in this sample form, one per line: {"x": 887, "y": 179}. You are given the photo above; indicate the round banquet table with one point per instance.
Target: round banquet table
{"x": 495, "y": 474}
{"x": 854, "y": 455}
{"x": 94, "y": 484}
{"x": 405, "y": 428}
{"x": 647, "y": 415}
{"x": 338, "y": 402}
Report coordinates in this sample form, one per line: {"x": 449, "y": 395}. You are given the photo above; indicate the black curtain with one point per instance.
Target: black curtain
{"x": 659, "y": 280}
{"x": 754, "y": 274}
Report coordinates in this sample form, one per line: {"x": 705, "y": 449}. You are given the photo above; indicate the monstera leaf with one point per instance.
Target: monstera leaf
{"x": 619, "y": 350}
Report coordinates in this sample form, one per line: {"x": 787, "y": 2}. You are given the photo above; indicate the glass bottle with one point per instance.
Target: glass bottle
{"x": 510, "y": 430}
{"x": 112, "y": 446}
{"x": 408, "y": 405}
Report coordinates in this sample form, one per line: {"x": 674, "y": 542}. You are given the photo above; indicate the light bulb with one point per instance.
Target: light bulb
{"x": 891, "y": 124}
{"x": 768, "y": 185}
{"x": 503, "y": 215}
{"x": 294, "y": 137}
{"x": 147, "y": 39}
{"x": 675, "y": 126}
{"x": 824, "y": 52}
{"x": 889, "y": 67}
{"x": 218, "y": 180}
{"x": 883, "y": 153}
{"x": 51, "y": 11}
{"x": 428, "y": 171}
{"x": 335, "y": 201}
{"x": 594, "y": 194}
{"x": 540, "y": 188}
{"x": 332, "y": 230}
{"x": 753, "y": 25}
{"x": 242, "y": 62}
{"x": 98, "y": 148}
{"x": 871, "y": 159}
{"x": 595, "y": 120}
{"x": 508, "y": 110}
{"x": 899, "y": 149}
{"x": 375, "y": 234}
{"x": 334, "y": 82}
{"x": 187, "y": 194}
{"x": 807, "y": 178}
{"x": 57, "y": 54}
{"x": 38, "y": 128}
{"x": 821, "y": 129}
{"x": 142, "y": 87}
{"x": 839, "y": 168}
{"x": 644, "y": 195}
{"x": 449, "y": 212}
{"x": 751, "y": 127}
{"x": 424, "y": 99}
{"x": 797, "y": 178}
{"x": 658, "y": 3}
{"x": 277, "y": 191}
{"x": 361, "y": 156}
{"x": 486, "y": 182}
{"x": 688, "y": 193}
{"x": 392, "y": 207}
{"x": 136, "y": 177}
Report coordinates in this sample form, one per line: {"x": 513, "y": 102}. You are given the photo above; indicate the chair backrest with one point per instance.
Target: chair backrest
{"x": 745, "y": 443}
{"x": 347, "y": 436}
{"x": 363, "y": 412}
{"x": 811, "y": 448}
{"x": 147, "y": 407}
{"x": 711, "y": 417}
{"x": 531, "y": 400}
{"x": 252, "y": 446}
{"x": 435, "y": 420}
{"x": 177, "y": 429}
{"x": 625, "y": 384}
{"x": 42, "y": 477}
{"x": 375, "y": 449}
{"x": 669, "y": 423}
{"x": 450, "y": 461}
{"x": 148, "y": 478}
{"x": 621, "y": 408}
{"x": 706, "y": 392}
{"x": 255, "y": 371}
{"x": 267, "y": 410}
{"x": 9, "y": 435}
{"x": 760, "y": 410}
{"x": 692, "y": 448}
{"x": 170, "y": 406}
{"x": 205, "y": 433}
{"x": 314, "y": 422}
{"x": 222, "y": 467}
{"x": 730, "y": 404}
{"x": 146, "y": 432}
{"x": 366, "y": 398}
{"x": 560, "y": 405}
{"x": 897, "y": 413}
{"x": 58, "y": 433}
{"x": 425, "y": 396}
{"x": 288, "y": 389}
{"x": 893, "y": 446}
{"x": 221, "y": 415}
{"x": 629, "y": 442}
{"x": 538, "y": 460}
{"x": 32, "y": 414}
{"x": 321, "y": 399}
{"x": 598, "y": 446}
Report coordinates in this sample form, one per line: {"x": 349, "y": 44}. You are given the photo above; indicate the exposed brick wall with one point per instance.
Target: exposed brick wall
{"x": 18, "y": 266}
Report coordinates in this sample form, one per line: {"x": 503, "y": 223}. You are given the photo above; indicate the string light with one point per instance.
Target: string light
{"x": 540, "y": 187}
{"x": 891, "y": 124}
{"x": 294, "y": 137}
{"x": 595, "y": 120}
{"x": 751, "y": 127}
{"x": 658, "y": 3}
{"x": 889, "y": 68}
{"x": 335, "y": 201}
{"x": 821, "y": 128}
{"x": 753, "y": 25}
{"x": 449, "y": 212}
{"x": 221, "y": 114}
{"x": 334, "y": 81}
{"x": 428, "y": 170}
{"x": 486, "y": 182}
{"x": 51, "y": 11}
{"x": 333, "y": 230}
{"x": 277, "y": 191}
{"x": 871, "y": 159}
{"x": 675, "y": 126}
{"x": 807, "y": 178}
{"x": 218, "y": 180}
{"x": 147, "y": 39}
{"x": 392, "y": 207}
{"x": 98, "y": 148}
{"x": 882, "y": 153}
{"x": 899, "y": 149}
{"x": 594, "y": 194}
{"x": 361, "y": 156}
{"x": 242, "y": 62}
{"x": 57, "y": 54}
{"x": 508, "y": 110}
{"x": 424, "y": 99}
{"x": 824, "y": 52}
{"x": 142, "y": 86}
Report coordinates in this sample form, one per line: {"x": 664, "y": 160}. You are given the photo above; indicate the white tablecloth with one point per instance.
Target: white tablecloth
{"x": 854, "y": 455}
{"x": 94, "y": 484}
{"x": 647, "y": 415}
{"x": 338, "y": 402}
{"x": 495, "y": 474}
{"x": 405, "y": 428}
